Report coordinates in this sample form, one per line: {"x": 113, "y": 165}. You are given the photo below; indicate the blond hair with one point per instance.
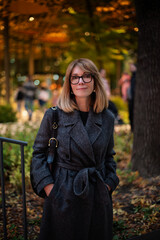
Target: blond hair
{"x": 67, "y": 101}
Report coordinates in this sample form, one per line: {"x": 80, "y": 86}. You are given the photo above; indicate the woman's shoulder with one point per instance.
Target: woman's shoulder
{"x": 108, "y": 114}
{"x": 51, "y": 109}
{"x": 55, "y": 109}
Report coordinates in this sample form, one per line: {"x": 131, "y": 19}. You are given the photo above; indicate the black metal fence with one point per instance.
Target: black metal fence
{"x": 22, "y": 144}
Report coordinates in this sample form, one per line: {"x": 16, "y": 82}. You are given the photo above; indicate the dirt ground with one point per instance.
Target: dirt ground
{"x": 136, "y": 206}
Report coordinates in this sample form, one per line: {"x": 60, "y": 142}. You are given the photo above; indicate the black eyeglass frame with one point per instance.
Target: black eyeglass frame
{"x": 82, "y": 78}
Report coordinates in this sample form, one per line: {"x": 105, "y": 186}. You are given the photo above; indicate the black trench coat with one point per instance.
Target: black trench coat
{"x": 79, "y": 206}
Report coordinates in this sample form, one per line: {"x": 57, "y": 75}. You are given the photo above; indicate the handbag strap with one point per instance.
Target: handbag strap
{"x": 53, "y": 142}
{"x": 55, "y": 122}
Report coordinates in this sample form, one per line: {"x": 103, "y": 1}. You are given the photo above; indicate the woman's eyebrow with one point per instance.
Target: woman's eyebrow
{"x": 78, "y": 74}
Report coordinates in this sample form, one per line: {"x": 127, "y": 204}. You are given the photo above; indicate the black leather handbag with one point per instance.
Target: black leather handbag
{"x": 53, "y": 142}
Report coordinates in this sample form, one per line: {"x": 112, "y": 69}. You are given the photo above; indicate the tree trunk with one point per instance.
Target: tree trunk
{"x": 146, "y": 144}
{"x": 96, "y": 43}
{"x": 7, "y": 58}
{"x": 31, "y": 58}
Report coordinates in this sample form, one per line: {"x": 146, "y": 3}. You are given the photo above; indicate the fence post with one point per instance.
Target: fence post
{"x": 22, "y": 144}
{"x": 3, "y": 191}
{"x": 24, "y": 193}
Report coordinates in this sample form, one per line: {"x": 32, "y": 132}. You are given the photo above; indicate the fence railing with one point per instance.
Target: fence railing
{"x": 22, "y": 144}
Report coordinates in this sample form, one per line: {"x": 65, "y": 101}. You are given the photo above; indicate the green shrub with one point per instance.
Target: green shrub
{"x": 7, "y": 114}
{"x": 122, "y": 108}
{"x": 12, "y": 155}
{"x": 120, "y": 104}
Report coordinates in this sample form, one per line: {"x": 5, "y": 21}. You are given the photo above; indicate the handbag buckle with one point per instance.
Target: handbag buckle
{"x": 49, "y": 143}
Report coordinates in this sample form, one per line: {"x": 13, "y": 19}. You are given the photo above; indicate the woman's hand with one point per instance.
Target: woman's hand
{"x": 109, "y": 188}
{"x": 48, "y": 189}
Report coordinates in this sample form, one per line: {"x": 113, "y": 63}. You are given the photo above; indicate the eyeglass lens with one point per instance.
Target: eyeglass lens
{"x": 85, "y": 77}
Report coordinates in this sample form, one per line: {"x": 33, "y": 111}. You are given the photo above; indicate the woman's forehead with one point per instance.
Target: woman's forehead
{"x": 80, "y": 68}
{"x": 77, "y": 70}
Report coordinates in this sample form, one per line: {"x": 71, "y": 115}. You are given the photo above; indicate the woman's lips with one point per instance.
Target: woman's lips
{"x": 81, "y": 88}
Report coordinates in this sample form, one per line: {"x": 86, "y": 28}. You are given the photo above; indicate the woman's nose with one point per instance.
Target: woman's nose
{"x": 81, "y": 80}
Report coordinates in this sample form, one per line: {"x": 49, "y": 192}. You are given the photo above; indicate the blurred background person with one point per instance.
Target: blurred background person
{"x": 43, "y": 96}
{"x": 55, "y": 96}
{"x": 105, "y": 82}
{"x": 19, "y": 97}
{"x": 111, "y": 106}
{"x": 29, "y": 96}
{"x": 131, "y": 94}
{"x": 124, "y": 83}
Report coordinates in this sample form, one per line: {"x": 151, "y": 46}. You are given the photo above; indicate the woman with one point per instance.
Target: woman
{"x": 124, "y": 83}
{"x": 78, "y": 203}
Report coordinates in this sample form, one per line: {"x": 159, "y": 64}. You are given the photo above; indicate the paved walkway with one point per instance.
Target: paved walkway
{"x": 36, "y": 120}
{"x": 21, "y": 123}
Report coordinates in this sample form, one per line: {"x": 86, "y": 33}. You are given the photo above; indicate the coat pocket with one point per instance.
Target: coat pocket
{"x": 50, "y": 194}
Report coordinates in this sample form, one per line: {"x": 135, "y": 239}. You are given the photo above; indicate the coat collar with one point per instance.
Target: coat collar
{"x": 84, "y": 136}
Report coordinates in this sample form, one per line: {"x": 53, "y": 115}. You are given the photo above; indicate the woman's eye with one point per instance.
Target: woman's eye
{"x": 74, "y": 77}
{"x": 87, "y": 75}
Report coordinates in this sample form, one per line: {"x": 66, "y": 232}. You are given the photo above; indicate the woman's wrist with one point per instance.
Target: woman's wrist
{"x": 109, "y": 188}
{"x": 48, "y": 189}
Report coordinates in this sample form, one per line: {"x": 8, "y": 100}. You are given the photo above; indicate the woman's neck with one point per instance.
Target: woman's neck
{"x": 83, "y": 104}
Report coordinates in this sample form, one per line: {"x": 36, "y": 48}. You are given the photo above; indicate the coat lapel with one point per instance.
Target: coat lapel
{"x": 93, "y": 126}
{"x": 84, "y": 136}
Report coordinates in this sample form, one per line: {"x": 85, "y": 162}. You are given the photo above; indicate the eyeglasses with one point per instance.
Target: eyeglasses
{"x": 86, "y": 77}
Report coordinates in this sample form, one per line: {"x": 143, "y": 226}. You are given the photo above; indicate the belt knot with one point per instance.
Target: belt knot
{"x": 81, "y": 181}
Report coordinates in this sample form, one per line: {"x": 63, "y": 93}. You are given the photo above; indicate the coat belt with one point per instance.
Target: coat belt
{"x": 83, "y": 177}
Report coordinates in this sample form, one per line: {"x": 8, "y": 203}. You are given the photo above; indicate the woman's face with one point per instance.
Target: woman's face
{"x": 81, "y": 89}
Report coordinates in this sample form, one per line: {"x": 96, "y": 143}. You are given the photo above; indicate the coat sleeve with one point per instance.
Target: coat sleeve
{"x": 111, "y": 178}
{"x": 39, "y": 171}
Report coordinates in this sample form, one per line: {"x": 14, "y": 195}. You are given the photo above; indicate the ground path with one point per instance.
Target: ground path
{"x": 136, "y": 201}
